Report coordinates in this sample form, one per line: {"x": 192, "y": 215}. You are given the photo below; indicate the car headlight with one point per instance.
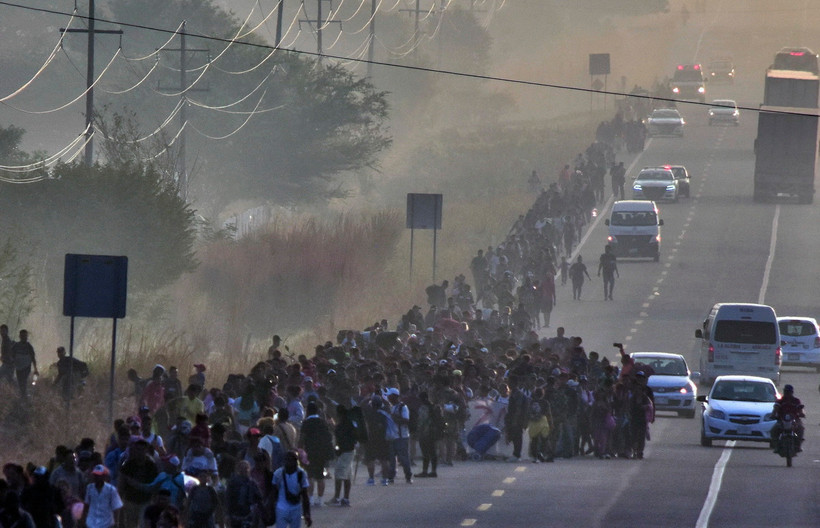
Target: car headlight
{"x": 716, "y": 414}
{"x": 670, "y": 187}
{"x": 711, "y": 113}
{"x": 637, "y": 187}
{"x": 675, "y": 90}
{"x": 686, "y": 389}
{"x": 701, "y": 89}
{"x": 768, "y": 417}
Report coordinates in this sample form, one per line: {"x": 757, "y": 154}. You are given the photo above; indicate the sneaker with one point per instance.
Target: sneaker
{"x": 409, "y": 480}
{"x": 534, "y": 460}
{"x": 423, "y": 474}
{"x": 385, "y": 482}
{"x": 334, "y": 502}
{"x": 432, "y": 475}
{"x": 515, "y": 460}
{"x": 319, "y": 502}
{"x": 390, "y": 481}
{"x": 371, "y": 481}
{"x": 345, "y": 503}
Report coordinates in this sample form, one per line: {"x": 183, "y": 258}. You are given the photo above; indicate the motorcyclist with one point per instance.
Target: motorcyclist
{"x": 788, "y": 404}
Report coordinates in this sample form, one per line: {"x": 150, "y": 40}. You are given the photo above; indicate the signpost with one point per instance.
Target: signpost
{"x": 95, "y": 286}
{"x": 598, "y": 65}
{"x": 424, "y": 212}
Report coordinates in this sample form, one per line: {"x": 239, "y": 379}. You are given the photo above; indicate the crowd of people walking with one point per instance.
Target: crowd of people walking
{"x": 468, "y": 377}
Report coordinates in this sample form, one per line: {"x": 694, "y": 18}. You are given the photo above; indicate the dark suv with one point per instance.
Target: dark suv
{"x": 722, "y": 70}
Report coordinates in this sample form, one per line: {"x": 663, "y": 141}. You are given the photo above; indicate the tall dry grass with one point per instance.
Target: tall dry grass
{"x": 304, "y": 279}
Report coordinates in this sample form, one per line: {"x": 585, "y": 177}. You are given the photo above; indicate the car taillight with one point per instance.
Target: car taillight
{"x": 711, "y": 354}
{"x": 778, "y": 356}
{"x": 817, "y": 342}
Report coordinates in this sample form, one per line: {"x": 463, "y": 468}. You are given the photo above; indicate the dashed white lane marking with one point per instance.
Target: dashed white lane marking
{"x": 509, "y": 480}
{"x": 468, "y": 522}
{"x": 484, "y": 507}
{"x": 498, "y": 493}
{"x": 521, "y": 469}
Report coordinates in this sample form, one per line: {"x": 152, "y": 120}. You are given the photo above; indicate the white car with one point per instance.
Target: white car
{"x": 738, "y": 408}
{"x": 674, "y": 386}
{"x": 655, "y": 183}
{"x": 724, "y": 111}
{"x": 800, "y": 341}
{"x": 665, "y": 122}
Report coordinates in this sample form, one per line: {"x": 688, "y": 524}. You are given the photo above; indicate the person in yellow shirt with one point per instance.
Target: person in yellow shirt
{"x": 191, "y": 405}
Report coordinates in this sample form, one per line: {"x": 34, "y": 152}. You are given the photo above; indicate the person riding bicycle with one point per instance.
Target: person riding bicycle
{"x": 790, "y": 405}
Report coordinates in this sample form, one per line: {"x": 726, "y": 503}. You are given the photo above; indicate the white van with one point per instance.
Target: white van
{"x": 742, "y": 339}
{"x": 635, "y": 229}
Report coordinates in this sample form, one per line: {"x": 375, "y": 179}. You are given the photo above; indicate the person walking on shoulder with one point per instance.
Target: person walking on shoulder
{"x": 576, "y": 275}
{"x": 24, "y": 359}
{"x": 609, "y": 266}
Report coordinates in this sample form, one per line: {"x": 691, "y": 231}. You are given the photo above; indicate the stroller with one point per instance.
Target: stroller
{"x": 481, "y": 438}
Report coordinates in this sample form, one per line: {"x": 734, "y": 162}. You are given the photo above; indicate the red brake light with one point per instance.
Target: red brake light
{"x": 796, "y": 53}
{"x": 711, "y": 354}
{"x": 668, "y": 167}
{"x": 680, "y": 66}
{"x": 817, "y": 342}
{"x": 778, "y": 356}
{"x": 697, "y": 66}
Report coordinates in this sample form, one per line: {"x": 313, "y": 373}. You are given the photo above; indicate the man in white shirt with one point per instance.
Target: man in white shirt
{"x": 101, "y": 500}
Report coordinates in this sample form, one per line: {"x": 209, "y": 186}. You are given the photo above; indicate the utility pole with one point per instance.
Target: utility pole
{"x": 183, "y": 113}
{"x": 319, "y": 23}
{"x": 370, "y": 50}
{"x": 279, "y": 22}
{"x": 89, "y": 79}
{"x": 417, "y": 12}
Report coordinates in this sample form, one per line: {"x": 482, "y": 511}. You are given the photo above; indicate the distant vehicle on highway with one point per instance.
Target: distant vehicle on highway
{"x": 800, "y": 59}
{"x": 674, "y": 385}
{"x": 800, "y": 337}
{"x": 665, "y": 122}
{"x": 688, "y": 82}
{"x": 682, "y": 175}
{"x": 724, "y": 111}
{"x": 738, "y": 408}
{"x": 655, "y": 183}
{"x": 721, "y": 69}
{"x": 635, "y": 229}
{"x": 740, "y": 339}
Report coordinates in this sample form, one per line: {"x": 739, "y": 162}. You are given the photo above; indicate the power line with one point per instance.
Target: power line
{"x": 440, "y": 71}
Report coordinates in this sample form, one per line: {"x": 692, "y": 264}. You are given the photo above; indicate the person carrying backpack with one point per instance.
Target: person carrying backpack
{"x": 429, "y": 429}
{"x": 203, "y": 502}
{"x": 290, "y": 486}
{"x": 377, "y": 446}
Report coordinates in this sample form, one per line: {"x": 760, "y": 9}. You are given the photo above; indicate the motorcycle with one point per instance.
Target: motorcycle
{"x": 787, "y": 441}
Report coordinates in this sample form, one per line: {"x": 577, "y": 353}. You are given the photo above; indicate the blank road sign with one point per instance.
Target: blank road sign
{"x": 95, "y": 286}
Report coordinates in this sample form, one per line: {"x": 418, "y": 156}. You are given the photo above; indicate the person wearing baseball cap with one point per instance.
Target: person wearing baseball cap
{"x": 101, "y": 500}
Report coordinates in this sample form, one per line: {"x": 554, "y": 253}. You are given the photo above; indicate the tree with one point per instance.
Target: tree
{"x": 123, "y": 208}
{"x": 320, "y": 123}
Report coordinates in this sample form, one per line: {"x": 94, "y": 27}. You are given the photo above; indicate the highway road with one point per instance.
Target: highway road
{"x": 717, "y": 246}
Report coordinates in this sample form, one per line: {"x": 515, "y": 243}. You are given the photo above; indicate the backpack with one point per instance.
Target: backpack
{"x": 359, "y": 424}
{"x": 82, "y": 368}
{"x": 277, "y": 452}
{"x": 202, "y": 501}
{"x": 391, "y": 429}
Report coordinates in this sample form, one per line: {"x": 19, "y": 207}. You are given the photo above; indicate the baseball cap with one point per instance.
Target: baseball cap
{"x": 99, "y": 469}
{"x": 40, "y": 471}
{"x": 392, "y": 391}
